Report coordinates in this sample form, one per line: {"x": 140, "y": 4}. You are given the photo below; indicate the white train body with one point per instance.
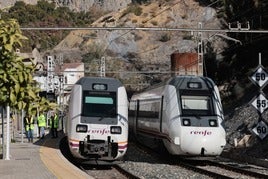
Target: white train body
{"x": 97, "y": 124}
{"x": 185, "y": 112}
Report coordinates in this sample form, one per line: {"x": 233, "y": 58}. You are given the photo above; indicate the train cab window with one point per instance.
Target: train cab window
{"x": 196, "y": 105}
{"x": 99, "y": 104}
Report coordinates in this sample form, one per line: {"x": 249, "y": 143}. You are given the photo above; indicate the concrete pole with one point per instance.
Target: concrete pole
{"x": 22, "y": 125}
{"x": 259, "y": 58}
{"x": 3, "y": 133}
{"x": 8, "y": 135}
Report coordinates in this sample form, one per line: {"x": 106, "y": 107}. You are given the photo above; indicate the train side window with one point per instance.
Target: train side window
{"x": 150, "y": 109}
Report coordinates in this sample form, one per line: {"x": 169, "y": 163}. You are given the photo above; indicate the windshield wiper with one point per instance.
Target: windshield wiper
{"x": 101, "y": 118}
{"x": 107, "y": 114}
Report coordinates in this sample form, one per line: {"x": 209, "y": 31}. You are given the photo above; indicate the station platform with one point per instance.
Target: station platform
{"x": 41, "y": 159}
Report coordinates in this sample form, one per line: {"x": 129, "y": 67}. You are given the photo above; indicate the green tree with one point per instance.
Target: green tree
{"x": 17, "y": 87}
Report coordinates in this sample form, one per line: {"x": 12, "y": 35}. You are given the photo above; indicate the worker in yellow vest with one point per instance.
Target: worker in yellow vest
{"x": 41, "y": 120}
{"x": 54, "y": 124}
{"x": 29, "y": 125}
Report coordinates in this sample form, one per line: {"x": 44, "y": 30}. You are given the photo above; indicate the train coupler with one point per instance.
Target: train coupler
{"x": 98, "y": 148}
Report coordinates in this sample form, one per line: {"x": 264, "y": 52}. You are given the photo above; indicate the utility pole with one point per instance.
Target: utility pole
{"x": 50, "y": 74}
{"x": 200, "y": 51}
{"x": 61, "y": 90}
{"x": 102, "y": 67}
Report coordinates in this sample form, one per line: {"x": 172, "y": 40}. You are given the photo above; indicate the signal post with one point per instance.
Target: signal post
{"x": 260, "y": 102}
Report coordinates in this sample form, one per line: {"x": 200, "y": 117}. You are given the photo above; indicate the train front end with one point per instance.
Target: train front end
{"x": 99, "y": 120}
{"x": 198, "y": 136}
{"x": 198, "y": 129}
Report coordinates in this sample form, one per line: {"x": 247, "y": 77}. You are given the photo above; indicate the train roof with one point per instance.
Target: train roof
{"x": 181, "y": 82}
{"x": 111, "y": 84}
{"x": 198, "y": 82}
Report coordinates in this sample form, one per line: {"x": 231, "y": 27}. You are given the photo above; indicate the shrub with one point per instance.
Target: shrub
{"x": 165, "y": 38}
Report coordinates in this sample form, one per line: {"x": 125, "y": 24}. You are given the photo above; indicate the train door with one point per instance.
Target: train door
{"x": 161, "y": 114}
{"x": 136, "y": 117}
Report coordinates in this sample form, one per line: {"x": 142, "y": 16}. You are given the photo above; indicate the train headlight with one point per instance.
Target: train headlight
{"x": 212, "y": 123}
{"x": 81, "y": 128}
{"x": 186, "y": 122}
{"x": 116, "y": 130}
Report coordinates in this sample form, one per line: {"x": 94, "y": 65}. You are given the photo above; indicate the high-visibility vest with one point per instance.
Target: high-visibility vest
{"x": 29, "y": 123}
{"x": 54, "y": 121}
{"x": 41, "y": 121}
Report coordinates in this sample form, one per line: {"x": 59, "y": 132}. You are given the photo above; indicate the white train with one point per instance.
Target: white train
{"x": 97, "y": 124}
{"x": 185, "y": 113}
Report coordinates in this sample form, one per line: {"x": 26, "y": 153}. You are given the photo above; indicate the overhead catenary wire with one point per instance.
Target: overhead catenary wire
{"x": 146, "y": 29}
{"x": 130, "y": 72}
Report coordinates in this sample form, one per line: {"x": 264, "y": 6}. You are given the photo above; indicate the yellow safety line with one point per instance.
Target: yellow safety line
{"x": 54, "y": 163}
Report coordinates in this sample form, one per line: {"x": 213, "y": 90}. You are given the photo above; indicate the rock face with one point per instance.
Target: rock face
{"x": 77, "y": 5}
{"x": 5, "y": 3}
{"x": 85, "y": 5}
{"x": 241, "y": 140}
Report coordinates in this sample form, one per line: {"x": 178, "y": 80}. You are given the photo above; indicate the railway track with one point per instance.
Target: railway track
{"x": 218, "y": 169}
{"x": 144, "y": 162}
{"x": 215, "y": 167}
{"x": 108, "y": 172}
{"x": 97, "y": 171}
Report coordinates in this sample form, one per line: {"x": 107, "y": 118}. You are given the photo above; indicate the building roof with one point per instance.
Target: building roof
{"x": 65, "y": 66}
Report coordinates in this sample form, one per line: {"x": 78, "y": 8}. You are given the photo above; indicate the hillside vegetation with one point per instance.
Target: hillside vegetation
{"x": 45, "y": 14}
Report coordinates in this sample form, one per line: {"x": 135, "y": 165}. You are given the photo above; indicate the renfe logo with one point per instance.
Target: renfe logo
{"x": 204, "y": 133}
{"x": 99, "y": 131}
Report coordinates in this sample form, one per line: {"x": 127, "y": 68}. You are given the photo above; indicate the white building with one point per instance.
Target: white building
{"x": 71, "y": 73}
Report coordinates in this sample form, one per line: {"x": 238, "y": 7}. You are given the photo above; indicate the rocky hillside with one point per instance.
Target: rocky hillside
{"x": 144, "y": 50}
{"x": 242, "y": 141}
{"x": 77, "y": 5}
{"x": 137, "y": 50}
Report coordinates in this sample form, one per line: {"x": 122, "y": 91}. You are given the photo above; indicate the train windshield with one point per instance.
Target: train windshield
{"x": 99, "y": 104}
{"x": 196, "y": 105}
